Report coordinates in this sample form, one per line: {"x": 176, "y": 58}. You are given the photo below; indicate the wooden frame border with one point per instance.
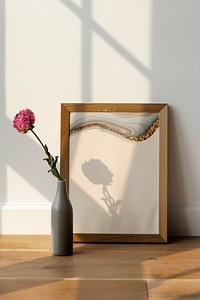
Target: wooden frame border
{"x": 66, "y": 109}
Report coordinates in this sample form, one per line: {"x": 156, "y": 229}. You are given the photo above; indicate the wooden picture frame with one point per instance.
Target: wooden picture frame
{"x": 69, "y": 110}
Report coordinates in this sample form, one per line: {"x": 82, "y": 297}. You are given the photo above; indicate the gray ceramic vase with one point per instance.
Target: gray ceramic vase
{"x": 61, "y": 222}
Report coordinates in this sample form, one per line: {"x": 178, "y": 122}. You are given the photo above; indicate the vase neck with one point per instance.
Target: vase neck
{"x": 61, "y": 183}
{"x": 61, "y": 187}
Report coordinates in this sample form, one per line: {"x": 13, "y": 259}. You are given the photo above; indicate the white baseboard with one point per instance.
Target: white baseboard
{"x": 22, "y": 218}
{"x": 31, "y": 218}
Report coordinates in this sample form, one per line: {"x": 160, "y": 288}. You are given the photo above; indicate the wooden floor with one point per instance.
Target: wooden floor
{"x": 29, "y": 271}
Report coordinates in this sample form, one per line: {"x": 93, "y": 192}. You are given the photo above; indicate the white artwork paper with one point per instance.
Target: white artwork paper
{"x": 114, "y": 181}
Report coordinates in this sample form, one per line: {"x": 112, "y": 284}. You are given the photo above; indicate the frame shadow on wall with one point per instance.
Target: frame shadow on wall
{"x": 114, "y": 157}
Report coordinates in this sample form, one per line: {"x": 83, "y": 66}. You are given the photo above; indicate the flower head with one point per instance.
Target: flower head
{"x": 24, "y": 120}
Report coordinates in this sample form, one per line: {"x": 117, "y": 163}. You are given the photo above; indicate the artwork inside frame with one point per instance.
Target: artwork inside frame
{"x": 114, "y": 158}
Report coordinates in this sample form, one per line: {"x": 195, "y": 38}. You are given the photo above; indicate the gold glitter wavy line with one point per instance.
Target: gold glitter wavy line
{"x": 139, "y": 138}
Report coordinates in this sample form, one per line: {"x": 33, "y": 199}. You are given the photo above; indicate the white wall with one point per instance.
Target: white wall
{"x": 54, "y": 51}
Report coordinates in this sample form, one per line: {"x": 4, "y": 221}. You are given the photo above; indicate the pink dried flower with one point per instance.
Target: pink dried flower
{"x": 24, "y": 120}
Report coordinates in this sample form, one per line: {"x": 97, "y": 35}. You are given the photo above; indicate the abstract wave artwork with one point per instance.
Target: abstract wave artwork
{"x": 131, "y": 126}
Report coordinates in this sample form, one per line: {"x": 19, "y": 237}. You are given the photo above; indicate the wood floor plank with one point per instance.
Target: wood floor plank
{"x": 173, "y": 289}
{"x": 27, "y": 268}
{"x": 43, "y": 242}
{"x": 73, "y": 290}
{"x": 26, "y": 242}
{"x": 94, "y": 261}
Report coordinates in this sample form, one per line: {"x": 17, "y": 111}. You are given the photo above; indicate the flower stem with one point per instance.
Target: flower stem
{"x": 50, "y": 160}
{"x": 38, "y": 139}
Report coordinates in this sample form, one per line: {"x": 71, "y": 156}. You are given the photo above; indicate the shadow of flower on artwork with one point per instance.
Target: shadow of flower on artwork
{"x": 99, "y": 174}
